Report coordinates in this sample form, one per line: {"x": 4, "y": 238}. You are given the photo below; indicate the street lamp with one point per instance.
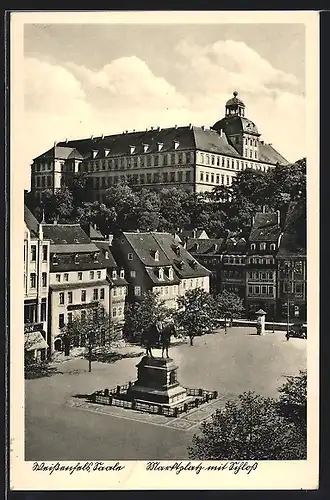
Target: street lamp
{"x": 290, "y": 268}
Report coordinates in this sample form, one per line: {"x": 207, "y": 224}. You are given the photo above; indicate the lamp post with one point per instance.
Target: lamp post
{"x": 290, "y": 268}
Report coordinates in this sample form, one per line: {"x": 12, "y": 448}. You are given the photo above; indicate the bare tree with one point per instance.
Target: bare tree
{"x": 92, "y": 330}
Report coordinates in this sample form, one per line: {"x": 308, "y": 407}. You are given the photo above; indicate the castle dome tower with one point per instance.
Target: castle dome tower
{"x": 235, "y": 107}
{"x": 241, "y": 133}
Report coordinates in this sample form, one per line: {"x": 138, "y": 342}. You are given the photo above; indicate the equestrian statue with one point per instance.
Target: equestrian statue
{"x": 158, "y": 333}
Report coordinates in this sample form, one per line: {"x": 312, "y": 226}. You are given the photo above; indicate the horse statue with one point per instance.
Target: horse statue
{"x": 165, "y": 337}
{"x": 150, "y": 337}
{"x": 158, "y": 332}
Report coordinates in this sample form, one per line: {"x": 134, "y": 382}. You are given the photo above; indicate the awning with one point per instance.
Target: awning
{"x": 34, "y": 340}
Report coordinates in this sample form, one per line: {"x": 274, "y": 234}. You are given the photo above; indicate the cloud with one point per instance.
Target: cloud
{"x": 68, "y": 100}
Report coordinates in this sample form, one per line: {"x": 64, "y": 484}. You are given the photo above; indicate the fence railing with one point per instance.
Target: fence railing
{"x": 118, "y": 397}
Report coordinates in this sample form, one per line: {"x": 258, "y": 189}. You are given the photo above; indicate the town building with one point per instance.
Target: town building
{"x": 78, "y": 278}
{"x": 36, "y": 282}
{"x": 208, "y": 251}
{"x": 118, "y": 285}
{"x": 292, "y": 266}
{"x": 261, "y": 266}
{"x": 192, "y": 158}
{"x": 156, "y": 262}
{"x": 233, "y": 264}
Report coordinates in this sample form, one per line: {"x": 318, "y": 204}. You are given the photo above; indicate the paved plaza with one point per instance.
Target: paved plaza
{"x": 62, "y": 426}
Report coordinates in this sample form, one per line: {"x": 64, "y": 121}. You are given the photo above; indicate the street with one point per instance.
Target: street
{"x": 230, "y": 364}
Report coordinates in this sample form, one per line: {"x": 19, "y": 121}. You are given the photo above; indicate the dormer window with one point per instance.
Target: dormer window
{"x": 155, "y": 255}
{"x": 96, "y": 256}
{"x": 160, "y": 146}
{"x": 106, "y": 152}
{"x": 76, "y": 241}
{"x": 253, "y": 246}
{"x": 94, "y": 153}
{"x": 145, "y": 147}
{"x": 176, "y": 144}
{"x": 176, "y": 249}
{"x": 54, "y": 260}
{"x": 214, "y": 247}
{"x": 193, "y": 264}
{"x": 161, "y": 273}
{"x": 272, "y": 246}
{"x": 76, "y": 259}
{"x": 122, "y": 273}
{"x": 64, "y": 241}
{"x": 114, "y": 274}
{"x": 170, "y": 273}
{"x": 262, "y": 246}
{"x": 180, "y": 264}
{"x": 106, "y": 254}
{"x": 195, "y": 246}
{"x": 132, "y": 149}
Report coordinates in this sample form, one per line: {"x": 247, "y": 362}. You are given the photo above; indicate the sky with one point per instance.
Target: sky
{"x": 94, "y": 79}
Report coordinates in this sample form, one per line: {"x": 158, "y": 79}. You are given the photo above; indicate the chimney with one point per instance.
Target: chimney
{"x": 252, "y": 220}
{"x": 203, "y": 127}
{"x": 66, "y": 140}
{"x": 102, "y": 136}
{"x": 110, "y": 237}
{"x": 95, "y": 226}
{"x": 278, "y": 217}
{"x": 175, "y": 126}
{"x": 55, "y": 221}
{"x": 55, "y": 144}
{"x": 40, "y": 232}
{"x": 195, "y": 232}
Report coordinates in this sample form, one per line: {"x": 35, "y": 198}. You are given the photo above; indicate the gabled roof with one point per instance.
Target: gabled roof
{"x": 205, "y": 247}
{"x": 85, "y": 262}
{"x": 193, "y": 233}
{"x": 31, "y": 221}
{"x": 151, "y": 272}
{"x": 265, "y": 227}
{"x": 144, "y": 244}
{"x": 189, "y": 267}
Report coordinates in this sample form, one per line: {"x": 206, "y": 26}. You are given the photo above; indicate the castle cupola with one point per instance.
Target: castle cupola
{"x": 235, "y": 107}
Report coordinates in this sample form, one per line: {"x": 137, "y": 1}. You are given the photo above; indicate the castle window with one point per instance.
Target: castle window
{"x": 207, "y": 177}
{"x": 272, "y": 246}
{"x": 208, "y": 159}
{"x": 202, "y": 176}
{"x": 262, "y": 246}
{"x": 218, "y": 179}
{"x": 253, "y": 246}
{"x": 212, "y": 178}
{"x": 188, "y": 175}
{"x": 218, "y": 161}
{"x": 212, "y": 160}
{"x": 122, "y": 274}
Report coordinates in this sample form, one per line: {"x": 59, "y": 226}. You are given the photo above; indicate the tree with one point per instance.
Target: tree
{"x": 147, "y": 211}
{"x": 122, "y": 199}
{"x": 293, "y": 400}
{"x": 228, "y": 305}
{"x": 91, "y": 331}
{"x": 196, "y": 313}
{"x": 139, "y": 315}
{"x": 97, "y": 213}
{"x": 250, "y": 428}
{"x": 172, "y": 208}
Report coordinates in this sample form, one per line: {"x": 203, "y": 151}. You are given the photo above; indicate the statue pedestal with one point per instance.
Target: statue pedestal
{"x": 157, "y": 382}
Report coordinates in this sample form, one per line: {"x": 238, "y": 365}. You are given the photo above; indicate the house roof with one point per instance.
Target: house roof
{"x": 265, "y": 227}
{"x": 66, "y": 262}
{"x": 30, "y": 221}
{"x": 66, "y": 234}
{"x": 185, "y": 264}
{"x": 268, "y": 154}
{"x": 60, "y": 152}
{"x": 193, "y": 233}
{"x": 293, "y": 240}
{"x": 144, "y": 244}
{"x": 205, "y": 247}
{"x": 235, "y": 125}
{"x": 152, "y": 273}
{"x": 210, "y": 140}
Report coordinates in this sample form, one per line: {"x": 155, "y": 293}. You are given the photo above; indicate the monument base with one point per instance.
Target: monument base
{"x": 157, "y": 382}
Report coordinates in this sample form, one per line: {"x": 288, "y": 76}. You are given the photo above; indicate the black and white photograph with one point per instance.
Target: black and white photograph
{"x": 164, "y": 218}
